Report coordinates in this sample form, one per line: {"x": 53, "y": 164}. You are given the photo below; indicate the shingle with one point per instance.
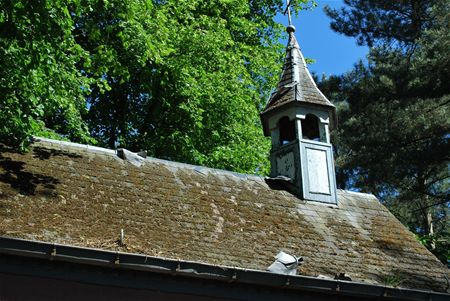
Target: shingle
{"x": 292, "y": 89}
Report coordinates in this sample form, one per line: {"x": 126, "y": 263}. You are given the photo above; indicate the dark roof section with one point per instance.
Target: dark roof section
{"x": 296, "y": 83}
{"x": 80, "y": 195}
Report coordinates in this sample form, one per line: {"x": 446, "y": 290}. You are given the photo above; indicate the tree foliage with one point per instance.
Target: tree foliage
{"x": 183, "y": 80}
{"x": 394, "y": 130}
{"x": 41, "y": 83}
{"x": 382, "y": 22}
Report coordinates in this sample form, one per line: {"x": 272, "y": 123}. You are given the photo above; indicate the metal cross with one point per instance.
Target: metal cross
{"x": 288, "y": 11}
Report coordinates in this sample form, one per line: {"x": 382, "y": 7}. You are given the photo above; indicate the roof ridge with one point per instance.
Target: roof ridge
{"x": 198, "y": 168}
{"x": 359, "y": 193}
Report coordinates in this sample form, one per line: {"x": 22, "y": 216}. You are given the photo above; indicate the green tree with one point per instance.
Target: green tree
{"x": 194, "y": 91}
{"x": 382, "y": 22}
{"x": 181, "y": 79}
{"x": 393, "y": 138}
{"x": 42, "y": 89}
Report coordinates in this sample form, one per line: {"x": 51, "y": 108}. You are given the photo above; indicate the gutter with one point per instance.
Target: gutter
{"x": 138, "y": 262}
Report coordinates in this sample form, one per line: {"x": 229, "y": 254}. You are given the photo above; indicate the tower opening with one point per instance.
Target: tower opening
{"x": 287, "y": 130}
{"x": 310, "y": 127}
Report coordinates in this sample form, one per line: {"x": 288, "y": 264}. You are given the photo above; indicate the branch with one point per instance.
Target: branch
{"x": 438, "y": 203}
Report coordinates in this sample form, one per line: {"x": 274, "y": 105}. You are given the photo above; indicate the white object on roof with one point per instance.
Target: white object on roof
{"x": 133, "y": 158}
{"x": 285, "y": 264}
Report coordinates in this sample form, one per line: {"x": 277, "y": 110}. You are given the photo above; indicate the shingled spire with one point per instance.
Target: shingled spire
{"x": 296, "y": 83}
{"x": 298, "y": 117}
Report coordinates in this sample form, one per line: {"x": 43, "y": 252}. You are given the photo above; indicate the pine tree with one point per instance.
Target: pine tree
{"x": 394, "y": 130}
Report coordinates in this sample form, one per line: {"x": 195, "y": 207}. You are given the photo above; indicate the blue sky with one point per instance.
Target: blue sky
{"x": 334, "y": 53}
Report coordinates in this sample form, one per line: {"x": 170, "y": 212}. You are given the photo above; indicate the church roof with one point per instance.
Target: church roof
{"x": 79, "y": 195}
{"x": 296, "y": 84}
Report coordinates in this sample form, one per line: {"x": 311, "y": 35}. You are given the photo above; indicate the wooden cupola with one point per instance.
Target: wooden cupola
{"x": 298, "y": 119}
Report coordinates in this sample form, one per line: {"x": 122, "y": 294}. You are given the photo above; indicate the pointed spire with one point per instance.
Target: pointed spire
{"x": 296, "y": 84}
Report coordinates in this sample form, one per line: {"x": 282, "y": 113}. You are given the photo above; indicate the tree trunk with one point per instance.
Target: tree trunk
{"x": 430, "y": 227}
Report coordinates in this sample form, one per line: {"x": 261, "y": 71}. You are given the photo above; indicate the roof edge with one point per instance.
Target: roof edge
{"x": 365, "y": 194}
{"x": 139, "y": 262}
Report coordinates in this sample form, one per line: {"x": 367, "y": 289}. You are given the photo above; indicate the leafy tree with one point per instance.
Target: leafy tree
{"x": 41, "y": 84}
{"x": 194, "y": 92}
{"x": 393, "y": 138}
{"x": 181, "y": 79}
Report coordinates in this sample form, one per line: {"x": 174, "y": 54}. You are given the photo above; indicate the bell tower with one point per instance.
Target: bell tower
{"x": 298, "y": 118}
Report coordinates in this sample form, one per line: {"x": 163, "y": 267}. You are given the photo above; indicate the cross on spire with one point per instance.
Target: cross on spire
{"x": 288, "y": 11}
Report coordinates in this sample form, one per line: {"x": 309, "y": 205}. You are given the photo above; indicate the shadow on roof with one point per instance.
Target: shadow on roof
{"x": 44, "y": 154}
{"x": 13, "y": 173}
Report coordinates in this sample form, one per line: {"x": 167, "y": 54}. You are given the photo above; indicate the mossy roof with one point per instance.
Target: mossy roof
{"x": 80, "y": 195}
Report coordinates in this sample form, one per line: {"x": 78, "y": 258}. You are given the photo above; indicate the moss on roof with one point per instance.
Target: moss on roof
{"x": 79, "y": 195}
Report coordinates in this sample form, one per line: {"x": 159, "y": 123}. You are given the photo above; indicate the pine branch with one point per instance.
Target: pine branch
{"x": 435, "y": 204}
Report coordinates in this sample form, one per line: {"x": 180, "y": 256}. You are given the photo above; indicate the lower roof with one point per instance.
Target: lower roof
{"x": 84, "y": 196}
